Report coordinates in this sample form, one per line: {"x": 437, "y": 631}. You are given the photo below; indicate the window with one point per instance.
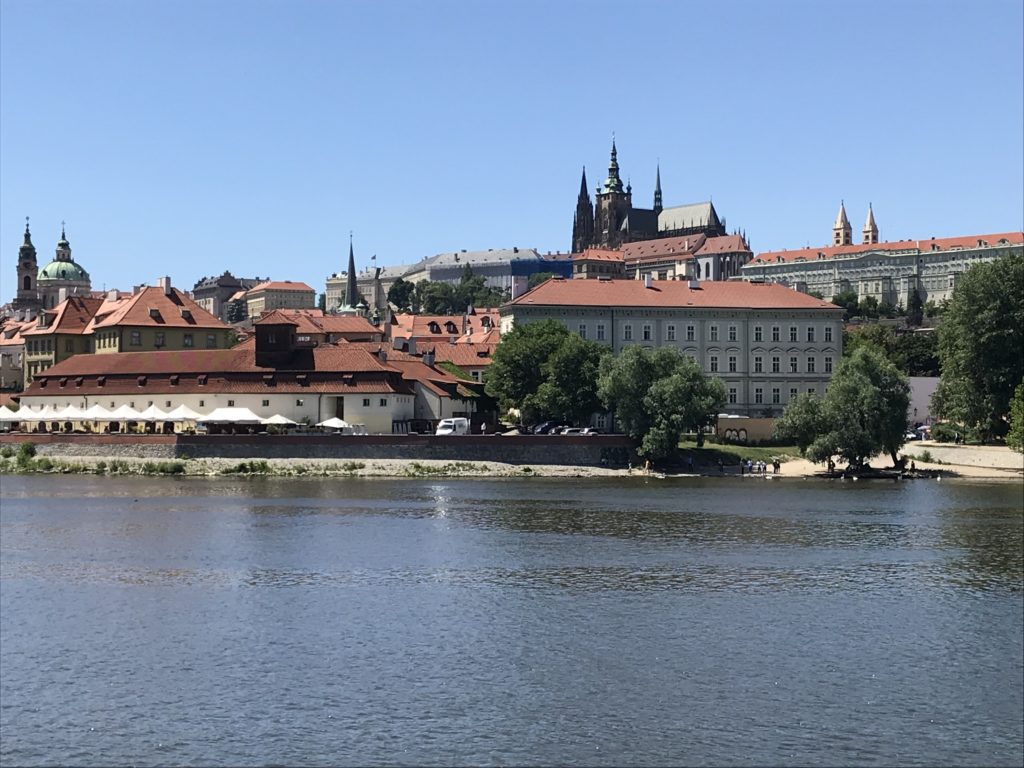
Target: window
{"x": 792, "y": 333}
{"x": 758, "y": 333}
{"x": 159, "y": 339}
{"x": 811, "y": 391}
{"x": 714, "y": 333}
{"x": 828, "y": 333}
{"x": 600, "y": 331}
{"x": 627, "y": 332}
{"x": 211, "y": 341}
{"x": 647, "y": 332}
{"x": 266, "y": 403}
{"x": 167, "y": 403}
{"x": 758, "y": 395}
{"x": 383, "y": 402}
{"x": 811, "y": 364}
{"x": 583, "y": 331}
{"x": 231, "y": 403}
{"x": 828, "y": 365}
{"x": 792, "y": 365}
{"x": 69, "y": 345}
{"x": 776, "y": 395}
{"x": 136, "y": 339}
{"x": 732, "y": 363}
{"x": 776, "y": 363}
{"x": 714, "y": 363}
{"x": 732, "y": 395}
{"x": 758, "y": 364}
{"x": 670, "y": 332}
{"x": 366, "y": 402}
{"x": 299, "y": 402}
{"x": 810, "y": 333}
{"x": 732, "y": 333}
{"x": 201, "y": 403}
{"x": 690, "y": 331}
{"x": 792, "y": 393}
{"x": 187, "y": 340}
{"x": 775, "y": 333}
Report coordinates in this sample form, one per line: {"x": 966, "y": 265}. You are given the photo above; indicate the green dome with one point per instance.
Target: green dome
{"x": 63, "y": 270}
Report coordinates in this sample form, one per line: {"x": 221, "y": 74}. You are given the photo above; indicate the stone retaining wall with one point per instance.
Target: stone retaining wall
{"x": 571, "y": 450}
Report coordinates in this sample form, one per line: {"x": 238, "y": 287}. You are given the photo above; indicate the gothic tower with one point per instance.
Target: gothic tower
{"x": 27, "y": 296}
{"x": 870, "y": 230}
{"x": 612, "y": 206}
{"x": 842, "y": 232}
{"x": 583, "y": 220}
{"x": 657, "y": 192}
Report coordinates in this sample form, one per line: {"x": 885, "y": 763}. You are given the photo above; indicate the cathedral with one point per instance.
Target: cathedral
{"x": 45, "y": 288}
{"x": 612, "y": 220}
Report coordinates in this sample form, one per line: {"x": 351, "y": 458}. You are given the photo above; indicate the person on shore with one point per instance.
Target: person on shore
{"x": 689, "y": 464}
{"x": 721, "y": 467}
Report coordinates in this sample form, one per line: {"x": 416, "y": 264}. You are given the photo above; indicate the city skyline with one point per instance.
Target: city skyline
{"x": 188, "y": 139}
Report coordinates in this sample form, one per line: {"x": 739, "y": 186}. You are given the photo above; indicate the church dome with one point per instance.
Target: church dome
{"x": 63, "y": 270}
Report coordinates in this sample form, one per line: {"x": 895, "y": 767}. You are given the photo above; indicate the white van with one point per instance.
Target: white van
{"x": 457, "y": 426}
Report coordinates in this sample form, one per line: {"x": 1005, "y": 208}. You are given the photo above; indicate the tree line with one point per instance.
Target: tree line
{"x": 435, "y": 297}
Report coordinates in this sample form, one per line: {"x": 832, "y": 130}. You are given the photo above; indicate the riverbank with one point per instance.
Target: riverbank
{"x": 968, "y": 462}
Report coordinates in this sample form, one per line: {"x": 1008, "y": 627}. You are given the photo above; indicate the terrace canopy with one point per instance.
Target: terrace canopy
{"x": 231, "y": 416}
{"x": 334, "y": 423}
{"x": 125, "y": 413}
{"x": 7, "y": 415}
{"x": 184, "y": 413}
{"x": 279, "y": 420}
{"x": 152, "y": 413}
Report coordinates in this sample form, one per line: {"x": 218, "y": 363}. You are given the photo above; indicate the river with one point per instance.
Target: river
{"x": 715, "y": 621}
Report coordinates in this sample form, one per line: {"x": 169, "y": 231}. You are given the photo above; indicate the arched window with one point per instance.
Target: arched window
{"x": 27, "y": 283}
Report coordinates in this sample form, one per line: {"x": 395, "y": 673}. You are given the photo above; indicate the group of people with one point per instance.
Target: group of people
{"x": 758, "y": 467}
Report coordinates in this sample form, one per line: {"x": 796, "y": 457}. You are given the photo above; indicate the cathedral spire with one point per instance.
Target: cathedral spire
{"x": 613, "y": 183}
{"x": 584, "y": 192}
{"x": 28, "y": 234}
{"x": 351, "y": 294}
{"x": 842, "y": 232}
{"x": 870, "y": 230}
{"x": 657, "y": 190}
{"x": 583, "y": 219}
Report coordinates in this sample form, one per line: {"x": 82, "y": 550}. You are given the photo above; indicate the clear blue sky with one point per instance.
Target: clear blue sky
{"x": 188, "y": 137}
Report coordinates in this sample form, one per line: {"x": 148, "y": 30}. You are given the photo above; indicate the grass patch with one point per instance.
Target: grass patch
{"x": 254, "y": 467}
{"x": 732, "y": 454}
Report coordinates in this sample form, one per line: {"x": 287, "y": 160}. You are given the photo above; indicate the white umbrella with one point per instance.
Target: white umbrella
{"x": 97, "y": 412}
{"x": 184, "y": 413}
{"x": 277, "y": 418}
{"x": 125, "y": 412}
{"x": 231, "y": 416}
{"x": 334, "y": 423}
{"x": 71, "y": 413}
{"x": 152, "y": 413}
{"x": 47, "y": 413}
{"x": 6, "y": 414}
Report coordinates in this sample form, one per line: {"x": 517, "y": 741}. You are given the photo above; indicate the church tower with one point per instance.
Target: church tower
{"x": 612, "y": 206}
{"x": 870, "y": 230}
{"x": 583, "y": 220}
{"x": 842, "y": 232}
{"x": 657, "y": 192}
{"x": 27, "y": 296}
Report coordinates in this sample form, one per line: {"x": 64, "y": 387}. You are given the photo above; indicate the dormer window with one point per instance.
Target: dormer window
{"x": 79, "y": 381}
{"x": 202, "y": 379}
{"x": 101, "y": 380}
{"x": 62, "y": 381}
{"x": 142, "y": 381}
{"x": 154, "y": 313}
{"x": 174, "y": 379}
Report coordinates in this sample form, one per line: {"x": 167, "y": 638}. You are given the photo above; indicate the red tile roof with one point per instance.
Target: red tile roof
{"x": 732, "y": 294}
{"x": 910, "y": 246}
{"x": 11, "y": 331}
{"x": 170, "y": 309}
{"x": 418, "y": 326}
{"x": 598, "y": 254}
{"x": 464, "y": 355}
{"x": 683, "y": 247}
{"x": 73, "y": 315}
{"x": 281, "y": 285}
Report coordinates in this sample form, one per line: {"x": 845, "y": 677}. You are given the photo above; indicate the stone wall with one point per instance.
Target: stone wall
{"x": 571, "y": 450}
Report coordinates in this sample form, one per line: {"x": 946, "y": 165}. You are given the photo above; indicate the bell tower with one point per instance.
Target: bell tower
{"x": 612, "y": 206}
{"x": 842, "y": 232}
{"x": 27, "y": 296}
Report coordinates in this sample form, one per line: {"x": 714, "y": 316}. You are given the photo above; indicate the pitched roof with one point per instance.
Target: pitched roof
{"x": 732, "y": 294}
{"x": 72, "y": 315}
{"x": 281, "y": 285}
{"x": 418, "y": 326}
{"x": 153, "y": 307}
{"x": 908, "y": 246}
{"x": 464, "y": 355}
{"x": 11, "y": 331}
{"x": 682, "y": 246}
{"x": 685, "y": 216}
{"x": 598, "y": 254}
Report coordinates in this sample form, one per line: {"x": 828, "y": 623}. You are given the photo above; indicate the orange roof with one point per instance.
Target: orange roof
{"x": 910, "y": 246}
{"x": 662, "y": 247}
{"x": 281, "y": 285}
{"x": 418, "y": 326}
{"x": 723, "y": 244}
{"x": 73, "y": 315}
{"x": 152, "y": 307}
{"x": 731, "y": 294}
{"x": 464, "y": 355}
{"x": 11, "y": 331}
{"x": 598, "y": 254}
{"x": 315, "y": 322}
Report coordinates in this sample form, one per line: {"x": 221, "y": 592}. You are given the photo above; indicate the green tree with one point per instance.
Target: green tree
{"x": 1015, "y": 437}
{"x": 848, "y": 301}
{"x": 518, "y": 367}
{"x": 802, "y": 422}
{"x": 537, "y": 278}
{"x": 980, "y": 343}
{"x": 880, "y": 337}
{"x": 236, "y": 311}
{"x": 868, "y": 307}
{"x": 917, "y": 353}
{"x": 569, "y": 390}
{"x": 657, "y": 395}
{"x": 915, "y": 310}
{"x": 321, "y": 302}
{"x": 400, "y": 295}
{"x": 863, "y": 413}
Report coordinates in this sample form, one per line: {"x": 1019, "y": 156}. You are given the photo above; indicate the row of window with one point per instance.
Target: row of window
{"x": 299, "y": 402}
{"x": 812, "y": 364}
{"x": 732, "y": 333}
{"x": 135, "y": 339}
{"x": 776, "y": 395}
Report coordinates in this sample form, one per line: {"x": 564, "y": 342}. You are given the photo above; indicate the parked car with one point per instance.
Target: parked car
{"x": 545, "y": 427}
{"x": 572, "y": 431}
{"x": 590, "y": 431}
{"x": 456, "y": 426}
{"x": 911, "y": 436}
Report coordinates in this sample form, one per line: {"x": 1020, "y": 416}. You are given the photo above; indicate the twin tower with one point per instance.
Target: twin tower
{"x": 842, "y": 232}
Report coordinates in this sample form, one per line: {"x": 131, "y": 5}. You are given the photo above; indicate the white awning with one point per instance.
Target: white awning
{"x": 125, "y": 413}
{"x": 184, "y": 413}
{"x": 277, "y": 418}
{"x": 231, "y": 416}
{"x": 152, "y": 413}
{"x": 47, "y": 413}
{"x": 97, "y": 412}
{"x": 334, "y": 423}
{"x": 71, "y": 413}
{"x": 6, "y": 414}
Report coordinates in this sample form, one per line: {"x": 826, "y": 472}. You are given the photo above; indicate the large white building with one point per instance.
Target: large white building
{"x": 767, "y": 343}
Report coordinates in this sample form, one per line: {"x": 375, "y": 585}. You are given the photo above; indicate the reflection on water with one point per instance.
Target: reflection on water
{"x": 588, "y": 622}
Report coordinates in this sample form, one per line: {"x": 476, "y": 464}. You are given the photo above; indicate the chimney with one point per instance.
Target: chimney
{"x": 165, "y": 284}
{"x": 411, "y": 347}
{"x": 428, "y": 358}
{"x": 648, "y": 282}
{"x": 693, "y": 285}
{"x": 112, "y": 294}
{"x": 62, "y": 295}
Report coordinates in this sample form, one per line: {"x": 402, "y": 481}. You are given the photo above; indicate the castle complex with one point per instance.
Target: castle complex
{"x": 45, "y": 288}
